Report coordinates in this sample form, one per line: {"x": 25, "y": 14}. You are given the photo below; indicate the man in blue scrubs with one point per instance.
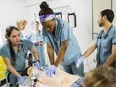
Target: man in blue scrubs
{"x": 59, "y": 38}
{"x": 37, "y": 39}
{"x": 106, "y": 40}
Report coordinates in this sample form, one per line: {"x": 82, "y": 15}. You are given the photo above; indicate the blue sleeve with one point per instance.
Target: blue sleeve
{"x": 28, "y": 44}
{"x": 66, "y": 32}
{"x": 28, "y": 37}
{"x": 4, "y": 52}
{"x": 45, "y": 36}
{"x": 114, "y": 37}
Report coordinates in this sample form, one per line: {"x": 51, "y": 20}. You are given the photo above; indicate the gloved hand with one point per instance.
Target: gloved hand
{"x": 78, "y": 83}
{"x": 51, "y": 70}
{"x": 37, "y": 64}
{"x": 21, "y": 79}
{"x": 79, "y": 61}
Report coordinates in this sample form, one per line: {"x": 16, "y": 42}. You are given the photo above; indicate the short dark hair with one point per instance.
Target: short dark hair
{"x": 45, "y": 9}
{"x": 109, "y": 13}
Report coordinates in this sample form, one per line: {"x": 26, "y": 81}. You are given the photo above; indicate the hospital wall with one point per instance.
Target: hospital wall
{"x": 11, "y": 10}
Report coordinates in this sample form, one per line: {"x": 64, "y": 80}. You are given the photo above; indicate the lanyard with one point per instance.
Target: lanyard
{"x": 23, "y": 47}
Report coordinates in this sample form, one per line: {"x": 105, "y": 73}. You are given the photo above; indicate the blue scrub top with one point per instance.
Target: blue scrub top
{"x": 39, "y": 35}
{"x": 24, "y": 46}
{"x": 63, "y": 32}
{"x": 104, "y": 45}
{"x": 21, "y": 35}
{"x": 35, "y": 37}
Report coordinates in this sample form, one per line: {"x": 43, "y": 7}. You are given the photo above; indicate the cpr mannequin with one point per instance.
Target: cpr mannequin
{"x": 61, "y": 79}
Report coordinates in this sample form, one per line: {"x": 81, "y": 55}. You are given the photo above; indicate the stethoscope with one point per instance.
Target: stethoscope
{"x": 24, "y": 52}
{"x": 102, "y": 35}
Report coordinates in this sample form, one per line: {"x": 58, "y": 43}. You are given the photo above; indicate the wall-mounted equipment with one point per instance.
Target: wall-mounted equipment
{"x": 58, "y": 14}
{"x": 72, "y": 19}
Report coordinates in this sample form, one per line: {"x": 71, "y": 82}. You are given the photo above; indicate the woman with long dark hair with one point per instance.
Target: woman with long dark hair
{"x": 14, "y": 54}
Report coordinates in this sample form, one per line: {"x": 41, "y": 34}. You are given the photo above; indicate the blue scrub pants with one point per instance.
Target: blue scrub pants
{"x": 40, "y": 50}
{"x": 72, "y": 69}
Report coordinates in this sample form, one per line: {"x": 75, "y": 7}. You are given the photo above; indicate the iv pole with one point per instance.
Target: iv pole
{"x": 35, "y": 27}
